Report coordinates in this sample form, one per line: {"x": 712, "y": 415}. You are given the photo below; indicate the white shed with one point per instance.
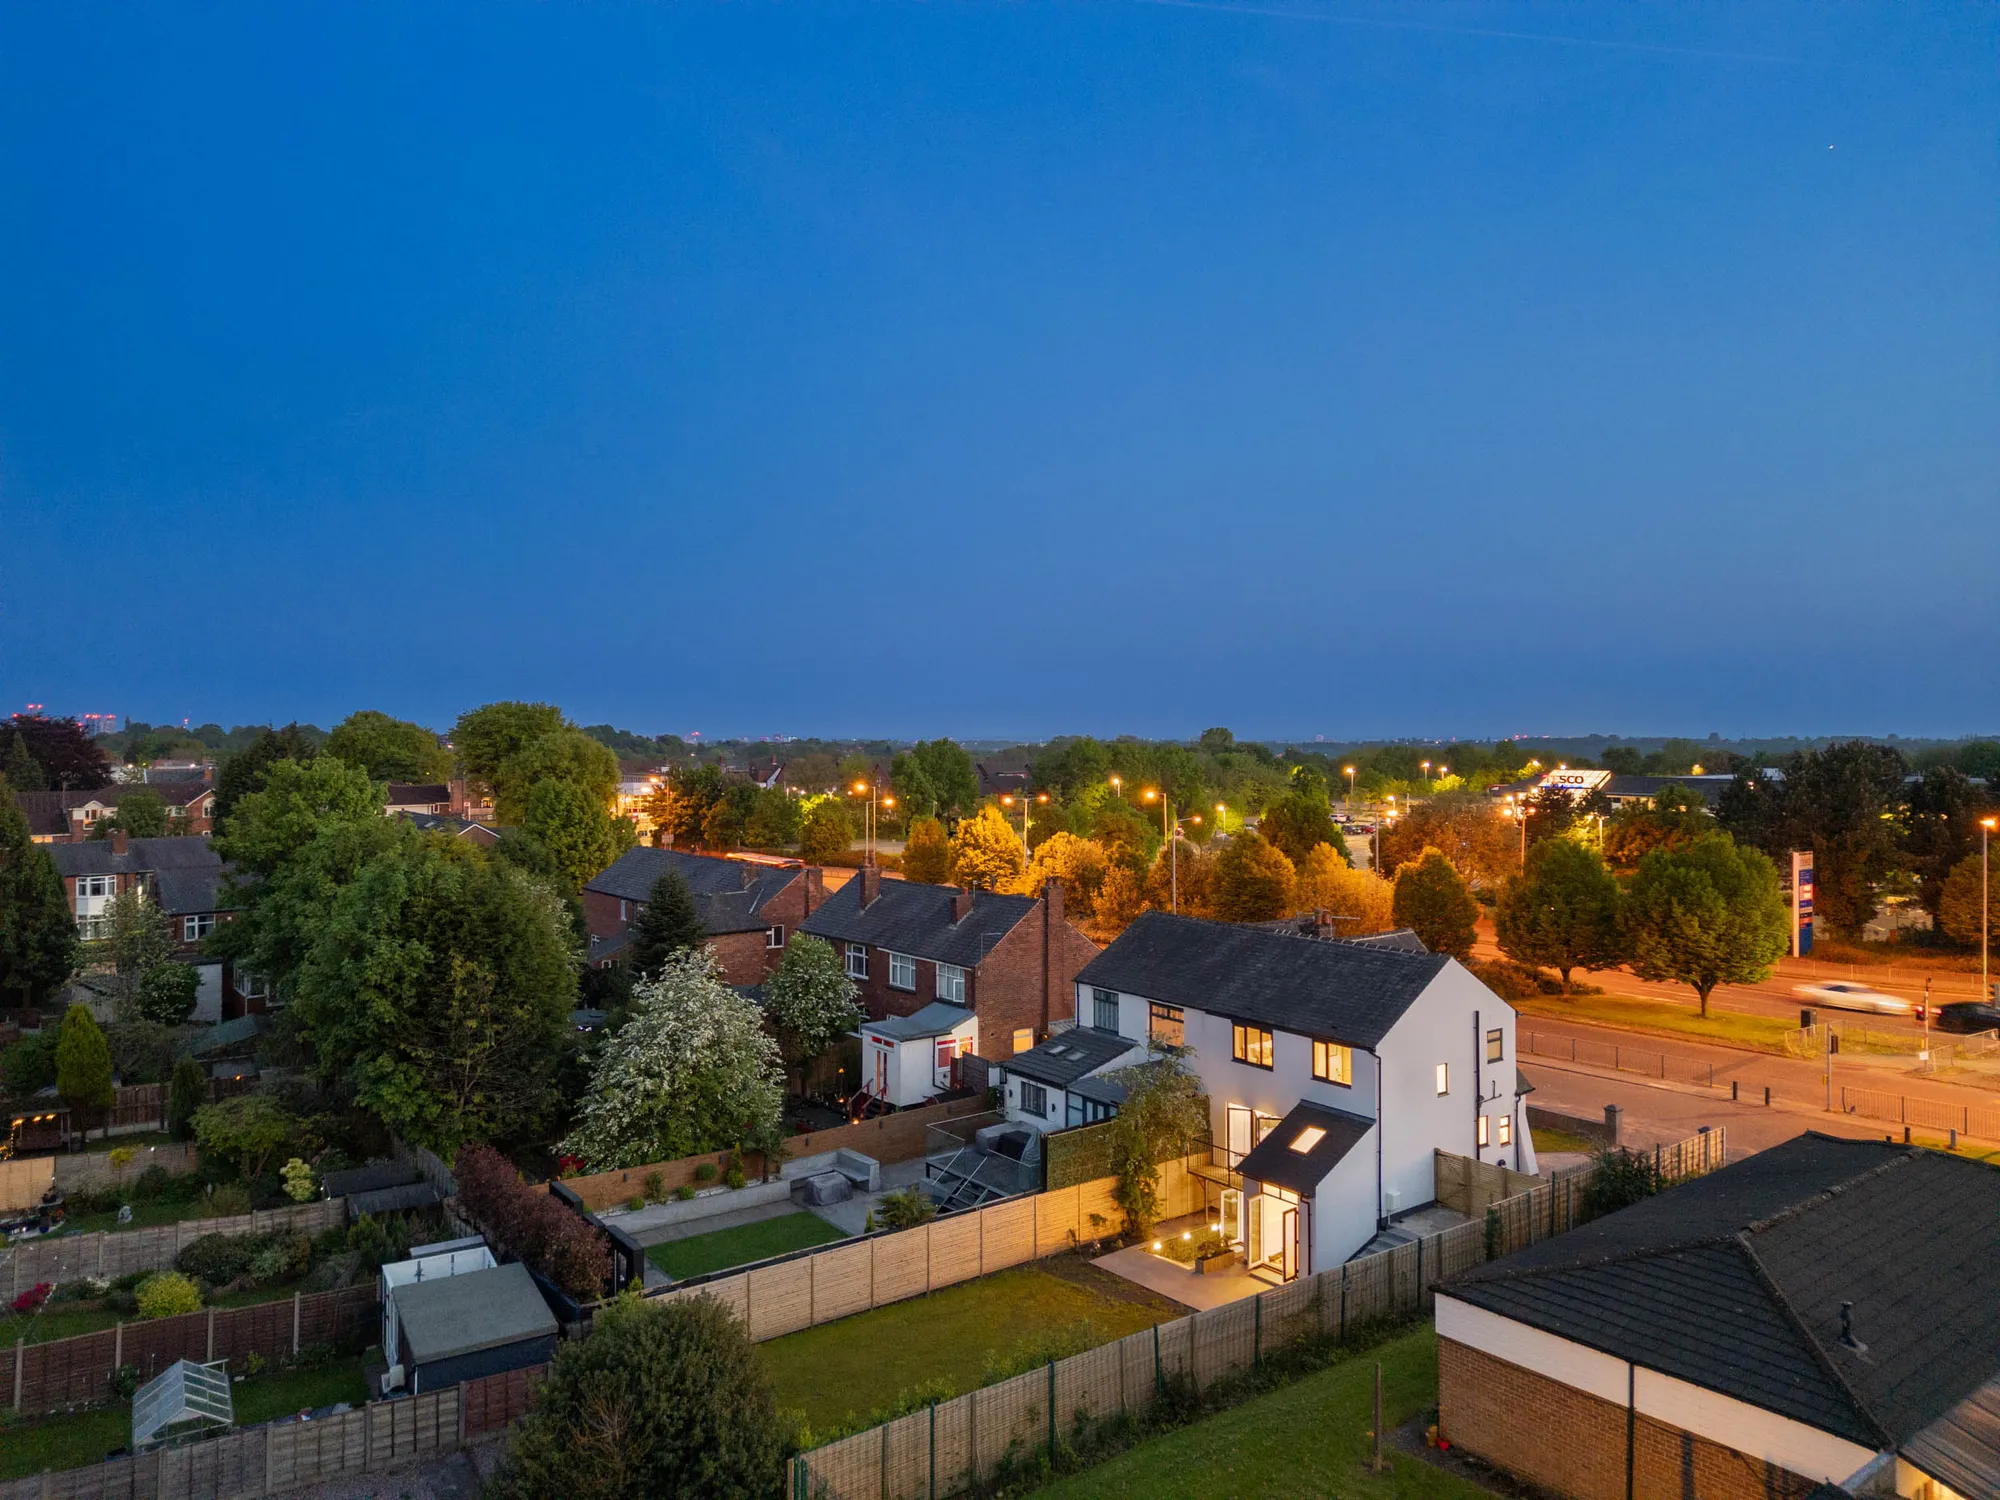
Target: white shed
{"x": 908, "y": 1059}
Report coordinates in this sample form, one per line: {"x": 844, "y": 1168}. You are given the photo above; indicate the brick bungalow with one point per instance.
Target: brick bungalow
{"x": 1820, "y": 1319}
{"x": 1012, "y": 960}
{"x": 750, "y": 909}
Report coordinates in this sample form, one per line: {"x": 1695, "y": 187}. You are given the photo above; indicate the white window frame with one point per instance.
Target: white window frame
{"x": 1506, "y": 1129}
{"x": 1326, "y": 1055}
{"x": 951, "y": 983}
{"x": 1099, "y": 1001}
{"x": 1496, "y": 1045}
{"x": 1021, "y": 1032}
{"x": 1483, "y": 1131}
{"x": 856, "y": 961}
{"x": 195, "y": 928}
{"x": 774, "y": 937}
{"x": 902, "y": 971}
{"x": 1035, "y": 1103}
{"x": 1443, "y": 1079}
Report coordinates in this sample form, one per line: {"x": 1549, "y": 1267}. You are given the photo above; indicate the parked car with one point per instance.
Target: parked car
{"x": 1967, "y": 1015}
{"x": 1836, "y": 995}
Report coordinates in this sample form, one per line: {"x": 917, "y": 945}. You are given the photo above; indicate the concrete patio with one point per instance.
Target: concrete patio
{"x": 1183, "y": 1284}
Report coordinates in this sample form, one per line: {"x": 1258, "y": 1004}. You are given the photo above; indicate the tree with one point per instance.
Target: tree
{"x": 1302, "y": 819}
{"x": 1120, "y": 901}
{"x": 20, "y": 768}
{"x": 1840, "y": 803}
{"x": 38, "y": 941}
{"x": 186, "y": 1095}
{"x": 693, "y": 1070}
{"x": 142, "y": 814}
{"x": 1465, "y": 826}
{"x": 567, "y": 755}
{"x": 83, "y": 1066}
{"x": 295, "y": 800}
{"x": 1959, "y": 903}
{"x": 1675, "y": 819}
{"x": 577, "y": 830}
{"x": 166, "y": 993}
{"x": 486, "y": 738}
{"x": 773, "y": 822}
{"x": 390, "y": 749}
{"x": 681, "y": 806}
{"x": 1709, "y": 914}
{"x": 1163, "y": 1114}
{"x": 1433, "y": 902}
{"x": 1254, "y": 881}
{"x": 1182, "y": 880}
{"x": 1562, "y": 913}
{"x": 244, "y": 1130}
{"x": 935, "y": 778}
{"x": 809, "y": 1000}
{"x": 139, "y": 937}
{"x": 927, "y": 853}
{"x": 1551, "y": 813}
{"x": 67, "y": 755}
{"x": 663, "y": 1398}
{"x": 247, "y": 770}
{"x": 1078, "y": 865}
{"x": 1360, "y": 901}
{"x": 985, "y": 852}
{"x": 1941, "y": 816}
{"x": 669, "y": 923}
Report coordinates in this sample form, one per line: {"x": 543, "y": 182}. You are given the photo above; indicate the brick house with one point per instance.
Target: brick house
{"x": 749, "y": 908}
{"x": 71, "y": 817}
{"x": 1820, "y": 1319}
{"x": 1011, "y": 960}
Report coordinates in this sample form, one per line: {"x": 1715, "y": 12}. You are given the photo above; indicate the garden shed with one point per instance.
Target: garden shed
{"x": 460, "y": 1327}
{"x": 185, "y": 1400}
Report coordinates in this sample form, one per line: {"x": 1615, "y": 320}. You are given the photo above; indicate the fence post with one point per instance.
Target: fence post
{"x": 211, "y": 1333}
{"x": 933, "y": 1448}
{"x": 1159, "y": 1376}
{"x": 1257, "y": 1332}
{"x": 885, "y": 1461}
{"x": 1052, "y": 1414}
{"x": 20, "y": 1359}
{"x": 118, "y": 1350}
{"x": 296, "y": 1305}
{"x": 1343, "y": 1302}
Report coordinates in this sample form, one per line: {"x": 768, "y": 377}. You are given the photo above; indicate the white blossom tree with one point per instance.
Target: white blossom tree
{"x": 809, "y": 1000}
{"x": 693, "y": 1070}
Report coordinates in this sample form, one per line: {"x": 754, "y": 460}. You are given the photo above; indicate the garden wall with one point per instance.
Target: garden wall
{"x": 114, "y": 1253}
{"x": 78, "y": 1371}
{"x": 279, "y": 1457}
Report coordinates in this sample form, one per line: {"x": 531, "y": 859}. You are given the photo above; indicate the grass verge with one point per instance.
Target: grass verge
{"x": 1548, "y": 1139}
{"x": 1664, "y": 1018}
{"x": 702, "y": 1253}
{"x": 947, "y": 1341}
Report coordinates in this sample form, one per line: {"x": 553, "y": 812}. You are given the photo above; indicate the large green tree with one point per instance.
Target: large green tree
{"x": 669, "y": 923}
{"x": 1840, "y": 802}
{"x": 68, "y": 756}
{"x": 1432, "y": 900}
{"x": 1708, "y": 914}
{"x": 1970, "y": 883}
{"x": 1254, "y": 881}
{"x": 809, "y": 1000}
{"x": 1562, "y": 913}
{"x": 1941, "y": 816}
{"x": 664, "y": 1398}
{"x": 935, "y": 778}
{"x": 389, "y": 749}
{"x": 576, "y": 829}
{"x": 1302, "y": 819}
{"x": 83, "y": 1067}
{"x": 142, "y": 814}
{"x": 927, "y": 853}
{"x": 246, "y": 771}
{"x": 986, "y": 852}
{"x": 38, "y": 942}
{"x": 680, "y": 809}
{"x": 567, "y": 755}
{"x": 486, "y": 738}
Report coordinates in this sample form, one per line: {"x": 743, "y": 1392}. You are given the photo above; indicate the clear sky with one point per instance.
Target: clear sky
{"x": 988, "y": 369}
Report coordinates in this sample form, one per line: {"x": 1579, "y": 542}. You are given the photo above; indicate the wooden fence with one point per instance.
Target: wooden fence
{"x": 818, "y": 1286}
{"x": 78, "y": 1371}
{"x": 114, "y": 1253}
{"x": 897, "y": 1137}
{"x": 1471, "y": 1187}
{"x": 953, "y": 1445}
{"x": 282, "y": 1456}
{"x": 24, "y": 1179}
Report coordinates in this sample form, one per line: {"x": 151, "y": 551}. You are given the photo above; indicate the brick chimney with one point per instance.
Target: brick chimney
{"x": 871, "y": 884}
{"x": 119, "y": 842}
{"x": 815, "y": 889}
{"x": 961, "y": 906}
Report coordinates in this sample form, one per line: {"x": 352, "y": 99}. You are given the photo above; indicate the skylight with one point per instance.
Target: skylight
{"x": 1308, "y": 1138}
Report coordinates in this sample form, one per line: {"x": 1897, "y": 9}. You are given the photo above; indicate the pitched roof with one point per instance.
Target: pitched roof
{"x": 141, "y": 856}
{"x": 1735, "y": 1282}
{"x": 181, "y": 893}
{"x": 730, "y": 894}
{"x": 1277, "y": 1159}
{"x": 1347, "y": 992}
{"x": 417, "y": 793}
{"x": 1070, "y": 1055}
{"x": 907, "y": 917}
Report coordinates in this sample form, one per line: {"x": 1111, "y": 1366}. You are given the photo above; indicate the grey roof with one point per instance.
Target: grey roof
{"x": 182, "y": 1398}
{"x": 1735, "y": 1282}
{"x": 141, "y": 856}
{"x": 373, "y": 1177}
{"x": 1401, "y": 940}
{"x": 418, "y": 793}
{"x": 1105, "y": 1090}
{"x": 1343, "y": 992}
{"x": 1962, "y": 1447}
{"x": 939, "y": 1018}
{"x": 1273, "y": 1159}
{"x": 185, "y": 892}
{"x": 456, "y": 827}
{"x": 730, "y": 894}
{"x": 1070, "y": 1055}
{"x": 1708, "y": 788}
{"x": 477, "y": 1310}
{"x": 907, "y": 917}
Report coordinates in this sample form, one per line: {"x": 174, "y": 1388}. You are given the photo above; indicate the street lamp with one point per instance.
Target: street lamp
{"x": 1117, "y": 786}
{"x": 1170, "y": 830}
{"x": 1009, "y": 800}
{"x": 1350, "y": 784}
{"x": 869, "y": 789}
{"x": 1986, "y": 827}
{"x": 1427, "y": 772}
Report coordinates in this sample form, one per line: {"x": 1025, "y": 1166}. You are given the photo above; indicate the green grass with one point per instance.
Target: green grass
{"x": 61, "y": 1321}
{"x": 144, "y": 1216}
{"x": 1310, "y": 1438}
{"x": 841, "y": 1371}
{"x": 699, "y": 1254}
{"x": 72, "y": 1441}
{"x": 1548, "y": 1138}
{"x": 1763, "y": 1033}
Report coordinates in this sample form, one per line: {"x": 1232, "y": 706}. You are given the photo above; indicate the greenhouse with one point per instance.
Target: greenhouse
{"x": 185, "y": 1400}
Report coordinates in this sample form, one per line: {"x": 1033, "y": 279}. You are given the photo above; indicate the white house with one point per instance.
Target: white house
{"x": 908, "y": 1059}
{"x": 1062, "y": 1082}
{"x": 1334, "y": 1072}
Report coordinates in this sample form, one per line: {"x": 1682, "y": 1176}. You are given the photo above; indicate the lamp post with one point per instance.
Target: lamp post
{"x": 873, "y": 793}
{"x": 1986, "y": 826}
{"x": 1170, "y": 830}
{"x": 1008, "y": 801}
{"x": 1350, "y": 784}
{"x": 1427, "y": 772}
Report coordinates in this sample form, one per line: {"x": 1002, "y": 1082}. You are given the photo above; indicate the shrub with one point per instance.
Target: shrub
{"x": 218, "y": 1259}
{"x": 281, "y": 1258}
{"x": 531, "y": 1223}
{"x": 226, "y": 1201}
{"x": 656, "y": 1186}
{"x": 298, "y": 1180}
{"x": 125, "y": 1380}
{"x": 906, "y": 1209}
{"x": 32, "y": 1299}
{"x": 636, "y": 1202}
{"x": 154, "y": 1182}
{"x": 706, "y": 1172}
{"x": 186, "y": 1094}
{"x": 733, "y": 1178}
{"x": 121, "y": 1157}
{"x": 167, "y": 1294}
{"x": 1622, "y": 1178}
{"x": 684, "y": 1191}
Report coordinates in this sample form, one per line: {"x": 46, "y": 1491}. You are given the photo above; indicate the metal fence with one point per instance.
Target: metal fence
{"x": 954, "y": 1445}
{"x": 1981, "y": 1120}
{"x": 1619, "y": 1057}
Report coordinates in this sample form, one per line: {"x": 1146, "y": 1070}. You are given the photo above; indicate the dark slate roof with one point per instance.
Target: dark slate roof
{"x": 474, "y": 1310}
{"x": 1272, "y": 1160}
{"x": 418, "y": 793}
{"x": 182, "y": 893}
{"x": 455, "y": 827}
{"x": 916, "y": 919}
{"x": 1708, "y": 788}
{"x": 1735, "y": 1282}
{"x": 939, "y": 1018}
{"x": 1070, "y": 1055}
{"x": 729, "y": 893}
{"x": 47, "y": 812}
{"x": 98, "y": 857}
{"x": 1343, "y": 992}
{"x": 1401, "y": 940}
{"x": 372, "y": 1178}
{"x": 1105, "y": 1090}
{"x": 1962, "y": 1447}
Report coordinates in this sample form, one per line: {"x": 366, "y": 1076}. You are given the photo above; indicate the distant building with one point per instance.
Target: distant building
{"x": 71, "y": 817}
{"x": 750, "y": 909}
{"x": 1620, "y": 789}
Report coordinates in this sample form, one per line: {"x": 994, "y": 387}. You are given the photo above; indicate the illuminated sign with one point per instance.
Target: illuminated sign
{"x": 1803, "y": 888}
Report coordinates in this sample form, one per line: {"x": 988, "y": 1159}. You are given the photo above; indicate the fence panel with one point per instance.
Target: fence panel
{"x": 954, "y": 1250}
{"x": 781, "y": 1299}
{"x": 114, "y": 1253}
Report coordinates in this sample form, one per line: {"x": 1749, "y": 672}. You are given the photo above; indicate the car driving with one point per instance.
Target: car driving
{"x": 1838, "y": 995}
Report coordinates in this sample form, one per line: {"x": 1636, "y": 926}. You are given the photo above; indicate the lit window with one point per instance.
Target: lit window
{"x": 1482, "y": 1130}
{"x": 1308, "y": 1138}
{"x": 1250, "y": 1044}
{"x": 1024, "y": 1039}
{"x": 951, "y": 983}
{"x": 1506, "y": 1130}
{"x": 857, "y": 960}
{"x": 1496, "y": 1045}
{"x": 774, "y": 937}
{"x": 1333, "y": 1063}
{"x": 902, "y": 972}
{"x": 1104, "y": 1010}
{"x": 1166, "y": 1024}
{"x": 1444, "y": 1078}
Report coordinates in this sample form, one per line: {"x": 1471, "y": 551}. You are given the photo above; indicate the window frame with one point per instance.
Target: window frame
{"x": 952, "y": 994}
{"x": 1099, "y": 1000}
{"x": 774, "y": 938}
{"x": 1040, "y": 1107}
{"x": 1024, "y": 1031}
{"x": 897, "y": 961}
{"x": 1496, "y": 1045}
{"x": 1443, "y": 1076}
{"x": 854, "y": 962}
{"x": 1160, "y": 1018}
{"x": 195, "y": 928}
{"x": 1240, "y": 1048}
{"x": 1484, "y": 1130}
{"x": 1323, "y": 1050}
{"x": 1506, "y": 1129}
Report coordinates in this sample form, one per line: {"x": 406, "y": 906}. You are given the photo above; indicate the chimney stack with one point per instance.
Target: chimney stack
{"x": 815, "y": 889}
{"x": 961, "y": 906}
{"x": 119, "y": 842}
{"x": 871, "y": 884}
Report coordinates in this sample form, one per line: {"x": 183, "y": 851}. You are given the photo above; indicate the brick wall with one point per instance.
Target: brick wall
{"x": 1573, "y": 1443}
{"x": 1029, "y": 979}
{"x": 743, "y": 956}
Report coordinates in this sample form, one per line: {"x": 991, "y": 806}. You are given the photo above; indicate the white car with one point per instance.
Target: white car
{"x": 1835, "y": 995}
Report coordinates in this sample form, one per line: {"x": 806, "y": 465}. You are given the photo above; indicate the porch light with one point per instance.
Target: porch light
{"x": 1158, "y": 1246}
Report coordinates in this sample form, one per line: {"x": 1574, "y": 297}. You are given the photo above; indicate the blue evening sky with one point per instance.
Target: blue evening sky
{"x": 988, "y": 369}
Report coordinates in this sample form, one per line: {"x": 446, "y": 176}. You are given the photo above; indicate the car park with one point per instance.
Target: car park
{"x": 1841, "y": 995}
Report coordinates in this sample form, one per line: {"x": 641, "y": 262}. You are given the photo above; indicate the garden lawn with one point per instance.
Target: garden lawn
{"x": 699, "y": 1254}
{"x": 56, "y": 1320}
{"x": 841, "y": 1371}
{"x": 1549, "y": 1139}
{"x": 144, "y": 1216}
{"x": 1308, "y": 1438}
